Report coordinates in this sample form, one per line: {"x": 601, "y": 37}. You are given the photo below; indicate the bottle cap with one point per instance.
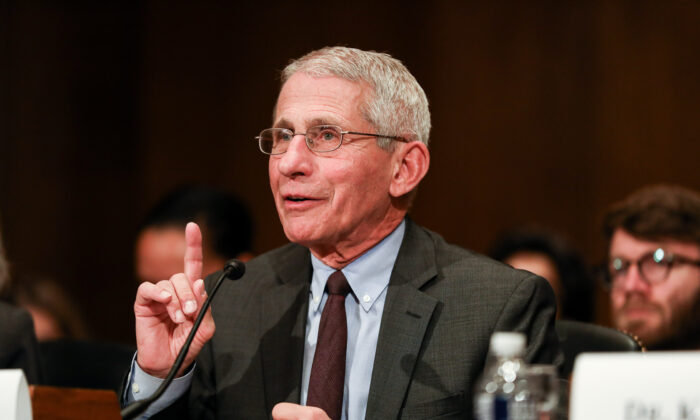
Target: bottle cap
{"x": 507, "y": 344}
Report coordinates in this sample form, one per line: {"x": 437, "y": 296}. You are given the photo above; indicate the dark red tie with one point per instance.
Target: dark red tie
{"x": 328, "y": 370}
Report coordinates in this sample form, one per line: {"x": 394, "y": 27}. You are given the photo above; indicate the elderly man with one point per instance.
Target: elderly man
{"x": 365, "y": 314}
{"x": 654, "y": 266}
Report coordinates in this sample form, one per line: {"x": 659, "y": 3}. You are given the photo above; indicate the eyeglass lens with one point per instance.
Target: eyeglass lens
{"x": 653, "y": 267}
{"x": 322, "y": 138}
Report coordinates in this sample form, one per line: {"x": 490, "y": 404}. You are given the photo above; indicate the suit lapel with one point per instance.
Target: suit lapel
{"x": 407, "y": 313}
{"x": 284, "y": 313}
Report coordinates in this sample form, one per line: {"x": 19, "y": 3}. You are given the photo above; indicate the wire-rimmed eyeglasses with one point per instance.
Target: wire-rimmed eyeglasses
{"x": 319, "y": 138}
{"x": 654, "y": 267}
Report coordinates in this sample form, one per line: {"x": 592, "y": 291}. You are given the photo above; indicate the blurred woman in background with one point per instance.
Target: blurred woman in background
{"x": 549, "y": 255}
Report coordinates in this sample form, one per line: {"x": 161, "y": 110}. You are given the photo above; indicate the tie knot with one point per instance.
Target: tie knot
{"x": 338, "y": 284}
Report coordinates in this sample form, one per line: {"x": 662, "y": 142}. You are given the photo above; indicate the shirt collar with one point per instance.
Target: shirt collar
{"x": 368, "y": 275}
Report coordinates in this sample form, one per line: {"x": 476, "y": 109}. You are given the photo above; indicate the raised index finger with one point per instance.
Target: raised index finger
{"x": 193, "y": 252}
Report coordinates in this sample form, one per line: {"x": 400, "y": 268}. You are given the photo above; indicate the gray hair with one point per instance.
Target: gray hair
{"x": 397, "y": 105}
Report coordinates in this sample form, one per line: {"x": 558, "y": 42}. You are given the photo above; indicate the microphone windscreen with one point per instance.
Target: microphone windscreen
{"x": 234, "y": 269}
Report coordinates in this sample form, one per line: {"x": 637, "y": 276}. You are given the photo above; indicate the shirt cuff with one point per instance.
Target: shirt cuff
{"x": 141, "y": 385}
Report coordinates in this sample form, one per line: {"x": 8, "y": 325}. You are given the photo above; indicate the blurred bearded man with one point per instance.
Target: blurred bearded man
{"x": 654, "y": 266}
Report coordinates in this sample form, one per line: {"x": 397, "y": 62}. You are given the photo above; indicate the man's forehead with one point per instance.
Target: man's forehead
{"x": 623, "y": 243}
{"x": 322, "y": 100}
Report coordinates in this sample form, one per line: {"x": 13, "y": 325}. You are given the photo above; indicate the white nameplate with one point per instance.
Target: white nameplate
{"x": 15, "y": 403}
{"x": 636, "y": 386}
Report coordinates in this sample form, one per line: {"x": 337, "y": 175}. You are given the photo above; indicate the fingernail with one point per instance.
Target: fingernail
{"x": 190, "y": 306}
{"x": 179, "y": 317}
{"x": 165, "y": 294}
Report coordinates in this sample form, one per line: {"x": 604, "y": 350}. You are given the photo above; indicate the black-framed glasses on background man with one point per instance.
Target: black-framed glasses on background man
{"x": 654, "y": 267}
{"x": 319, "y": 138}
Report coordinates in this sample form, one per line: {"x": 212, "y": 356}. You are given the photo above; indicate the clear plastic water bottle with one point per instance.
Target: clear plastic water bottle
{"x": 501, "y": 393}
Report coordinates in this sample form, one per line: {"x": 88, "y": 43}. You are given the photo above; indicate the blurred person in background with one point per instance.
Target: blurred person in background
{"x": 654, "y": 266}
{"x": 54, "y": 312}
{"x": 225, "y": 222}
{"x": 18, "y": 347}
{"x": 68, "y": 356}
{"x": 63, "y": 356}
{"x": 548, "y": 254}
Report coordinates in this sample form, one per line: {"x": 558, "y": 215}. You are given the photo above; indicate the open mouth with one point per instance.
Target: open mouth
{"x": 298, "y": 199}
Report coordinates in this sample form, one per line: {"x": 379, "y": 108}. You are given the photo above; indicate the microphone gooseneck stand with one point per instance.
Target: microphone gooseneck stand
{"x": 234, "y": 270}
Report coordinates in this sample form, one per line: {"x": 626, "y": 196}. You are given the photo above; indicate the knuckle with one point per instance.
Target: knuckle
{"x": 317, "y": 414}
{"x": 177, "y": 277}
{"x": 144, "y": 289}
{"x": 163, "y": 284}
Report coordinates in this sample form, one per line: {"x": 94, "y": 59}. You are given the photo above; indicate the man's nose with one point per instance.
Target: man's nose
{"x": 633, "y": 281}
{"x": 296, "y": 161}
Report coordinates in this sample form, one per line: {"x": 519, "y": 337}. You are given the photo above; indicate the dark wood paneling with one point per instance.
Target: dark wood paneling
{"x": 542, "y": 112}
{"x": 68, "y": 167}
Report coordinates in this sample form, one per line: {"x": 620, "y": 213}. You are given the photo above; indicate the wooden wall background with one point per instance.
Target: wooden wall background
{"x": 543, "y": 112}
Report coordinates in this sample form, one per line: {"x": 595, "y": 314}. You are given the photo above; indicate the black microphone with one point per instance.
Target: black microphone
{"x": 233, "y": 270}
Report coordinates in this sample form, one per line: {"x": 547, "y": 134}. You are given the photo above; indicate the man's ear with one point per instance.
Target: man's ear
{"x": 410, "y": 166}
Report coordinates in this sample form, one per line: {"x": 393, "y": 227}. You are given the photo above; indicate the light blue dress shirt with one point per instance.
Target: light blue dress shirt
{"x": 142, "y": 385}
{"x": 368, "y": 277}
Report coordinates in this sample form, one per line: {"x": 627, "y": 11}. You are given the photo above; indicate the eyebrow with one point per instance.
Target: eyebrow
{"x": 322, "y": 121}
{"x": 283, "y": 123}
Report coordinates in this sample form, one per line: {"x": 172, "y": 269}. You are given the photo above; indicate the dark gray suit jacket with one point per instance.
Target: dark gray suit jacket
{"x": 18, "y": 347}
{"x": 442, "y": 305}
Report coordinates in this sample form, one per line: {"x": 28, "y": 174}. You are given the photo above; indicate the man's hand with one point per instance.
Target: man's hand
{"x": 289, "y": 411}
{"x": 165, "y": 313}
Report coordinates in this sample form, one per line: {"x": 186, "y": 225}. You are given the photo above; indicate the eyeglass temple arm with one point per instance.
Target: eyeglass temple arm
{"x": 378, "y": 135}
{"x": 685, "y": 260}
